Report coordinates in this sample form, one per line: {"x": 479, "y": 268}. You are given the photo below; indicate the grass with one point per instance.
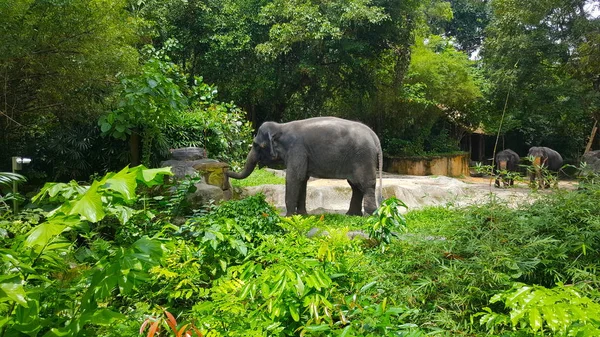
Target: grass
{"x": 258, "y": 177}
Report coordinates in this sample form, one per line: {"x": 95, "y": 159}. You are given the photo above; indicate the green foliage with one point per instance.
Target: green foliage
{"x": 387, "y": 221}
{"x": 59, "y": 62}
{"x": 46, "y": 272}
{"x": 238, "y": 269}
{"x": 219, "y": 127}
{"x": 7, "y": 179}
{"x": 258, "y": 177}
{"x": 535, "y": 55}
{"x": 562, "y": 310}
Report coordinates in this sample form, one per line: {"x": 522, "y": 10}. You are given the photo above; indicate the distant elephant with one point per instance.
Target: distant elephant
{"x": 321, "y": 147}
{"x": 506, "y": 160}
{"x": 544, "y": 157}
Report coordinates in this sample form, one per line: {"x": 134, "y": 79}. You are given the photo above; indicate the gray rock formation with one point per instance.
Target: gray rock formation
{"x": 191, "y": 161}
{"x": 592, "y": 160}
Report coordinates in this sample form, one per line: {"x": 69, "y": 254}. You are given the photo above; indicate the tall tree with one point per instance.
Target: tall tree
{"x": 58, "y": 63}
{"x": 287, "y": 59}
{"x": 528, "y": 54}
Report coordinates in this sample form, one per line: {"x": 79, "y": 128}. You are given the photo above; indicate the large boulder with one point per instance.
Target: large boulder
{"x": 204, "y": 194}
{"x": 592, "y": 159}
{"x": 213, "y": 173}
{"x": 188, "y": 153}
{"x": 191, "y": 161}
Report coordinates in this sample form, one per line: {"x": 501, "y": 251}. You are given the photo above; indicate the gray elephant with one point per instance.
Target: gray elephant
{"x": 543, "y": 157}
{"x": 506, "y": 161}
{"x": 321, "y": 147}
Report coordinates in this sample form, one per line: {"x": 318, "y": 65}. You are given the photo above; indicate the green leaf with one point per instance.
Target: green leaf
{"x": 294, "y": 312}
{"x": 123, "y": 182}
{"x": 13, "y": 291}
{"x": 41, "y": 235}
{"x": 105, "y": 127}
{"x": 123, "y": 213}
{"x": 89, "y": 206}
{"x": 152, "y": 177}
{"x": 535, "y": 319}
{"x": 317, "y": 328}
{"x": 299, "y": 286}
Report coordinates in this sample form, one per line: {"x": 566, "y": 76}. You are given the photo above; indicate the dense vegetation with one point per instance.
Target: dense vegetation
{"x": 120, "y": 255}
{"x": 89, "y": 86}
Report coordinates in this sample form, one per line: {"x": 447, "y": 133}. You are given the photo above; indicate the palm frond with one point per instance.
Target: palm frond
{"x": 7, "y": 178}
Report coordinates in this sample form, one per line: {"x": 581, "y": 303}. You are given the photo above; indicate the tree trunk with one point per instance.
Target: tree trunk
{"x": 135, "y": 144}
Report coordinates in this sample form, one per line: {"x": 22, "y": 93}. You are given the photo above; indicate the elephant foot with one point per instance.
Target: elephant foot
{"x": 354, "y": 212}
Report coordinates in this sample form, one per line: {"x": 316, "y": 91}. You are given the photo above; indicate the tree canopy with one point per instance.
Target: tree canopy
{"x": 421, "y": 73}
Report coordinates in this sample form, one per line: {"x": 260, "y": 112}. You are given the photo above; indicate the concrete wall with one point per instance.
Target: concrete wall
{"x": 444, "y": 165}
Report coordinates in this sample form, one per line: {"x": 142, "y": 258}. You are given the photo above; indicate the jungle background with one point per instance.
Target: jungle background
{"x": 88, "y": 86}
{"x": 91, "y": 88}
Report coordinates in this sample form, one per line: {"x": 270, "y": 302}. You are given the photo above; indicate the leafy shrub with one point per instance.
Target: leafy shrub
{"x": 386, "y": 221}
{"x": 46, "y": 271}
{"x": 562, "y": 310}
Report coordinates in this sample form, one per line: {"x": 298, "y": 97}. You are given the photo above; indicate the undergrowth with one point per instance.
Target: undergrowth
{"x": 110, "y": 259}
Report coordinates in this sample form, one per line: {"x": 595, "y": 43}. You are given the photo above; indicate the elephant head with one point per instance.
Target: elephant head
{"x": 544, "y": 157}
{"x": 264, "y": 152}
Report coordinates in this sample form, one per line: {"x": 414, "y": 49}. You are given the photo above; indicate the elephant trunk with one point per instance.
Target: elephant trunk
{"x": 251, "y": 162}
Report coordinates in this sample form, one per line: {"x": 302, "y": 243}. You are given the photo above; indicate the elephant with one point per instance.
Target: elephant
{"x": 506, "y": 160}
{"x": 320, "y": 147}
{"x": 544, "y": 157}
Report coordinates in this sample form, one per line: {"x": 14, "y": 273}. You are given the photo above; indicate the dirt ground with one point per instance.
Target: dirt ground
{"x": 331, "y": 195}
{"x": 482, "y": 188}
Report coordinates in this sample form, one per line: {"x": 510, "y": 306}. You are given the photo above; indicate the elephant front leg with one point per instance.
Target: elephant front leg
{"x": 292, "y": 194}
{"x": 356, "y": 201}
{"x": 302, "y": 198}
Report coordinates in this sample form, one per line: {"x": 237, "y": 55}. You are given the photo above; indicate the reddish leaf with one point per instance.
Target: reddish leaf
{"x": 172, "y": 322}
{"x": 153, "y": 329}
{"x": 180, "y": 332}
{"x": 143, "y": 327}
{"x": 198, "y": 333}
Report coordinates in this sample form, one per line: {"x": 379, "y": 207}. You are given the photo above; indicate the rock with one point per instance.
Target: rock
{"x": 182, "y": 168}
{"x": 213, "y": 173}
{"x": 315, "y": 231}
{"x": 357, "y": 234}
{"x": 204, "y": 194}
{"x": 592, "y": 159}
{"x": 188, "y": 153}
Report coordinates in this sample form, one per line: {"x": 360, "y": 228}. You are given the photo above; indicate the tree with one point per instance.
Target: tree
{"x": 285, "y": 60}
{"x": 58, "y": 64}
{"x": 528, "y": 55}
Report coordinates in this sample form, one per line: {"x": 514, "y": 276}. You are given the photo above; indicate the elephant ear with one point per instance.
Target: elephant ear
{"x": 273, "y": 137}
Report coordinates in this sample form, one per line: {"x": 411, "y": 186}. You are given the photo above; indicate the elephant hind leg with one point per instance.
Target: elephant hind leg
{"x": 356, "y": 201}
{"x": 369, "y": 199}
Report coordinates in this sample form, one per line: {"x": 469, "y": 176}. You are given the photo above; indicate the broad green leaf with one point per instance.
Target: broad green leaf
{"x": 299, "y": 286}
{"x": 316, "y": 328}
{"x": 152, "y": 177}
{"x": 89, "y": 206}
{"x": 367, "y": 286}
{"x": 535, "y": 319}
{"x": 13, "y": 291}
{"x": 41, "y": 235}
{"x": 123, "y": 182}
{"x": 123, "y": 213}
{"x": 294, "y": 312}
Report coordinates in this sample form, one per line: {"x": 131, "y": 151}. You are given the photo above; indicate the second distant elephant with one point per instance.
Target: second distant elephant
{"x": 506, "y": 161}
{"x": 321, "y": 147}
{"x": 543, "y": 157}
